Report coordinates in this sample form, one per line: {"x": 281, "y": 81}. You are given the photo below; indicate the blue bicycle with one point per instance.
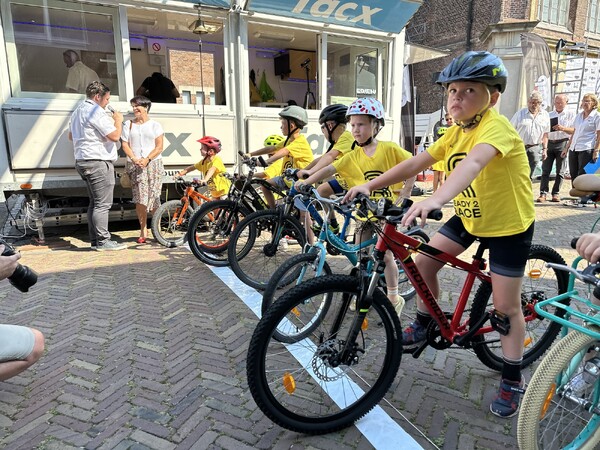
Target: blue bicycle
{"x": 561, "y": 406}
{"x": 313, "y": 263}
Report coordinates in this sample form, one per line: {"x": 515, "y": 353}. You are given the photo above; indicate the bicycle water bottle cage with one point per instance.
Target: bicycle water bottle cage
{"x": 500, "y": 322}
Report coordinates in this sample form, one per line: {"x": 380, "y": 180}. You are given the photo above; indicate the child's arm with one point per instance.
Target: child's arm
{"x": 277, "y": 155}
{"x": 319, "y": 163}
{"x": 262, "y": 151}
{"x": 403, "y": 171}
{"x": 325, "y": 172}
{"x": 460, "y": 178}
{"x": 185, "y": 171}
{"x": 209, "y": 174}
{"x": 406, "y": 190}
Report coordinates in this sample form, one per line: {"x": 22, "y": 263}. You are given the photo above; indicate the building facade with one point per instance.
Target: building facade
{"x": 496, "y": 26}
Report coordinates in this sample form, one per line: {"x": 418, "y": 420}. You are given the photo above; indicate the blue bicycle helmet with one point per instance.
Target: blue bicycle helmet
{"x": 475, "y": 66}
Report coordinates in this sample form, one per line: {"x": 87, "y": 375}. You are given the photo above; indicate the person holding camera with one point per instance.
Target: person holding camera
{"x": 20, "y": 346}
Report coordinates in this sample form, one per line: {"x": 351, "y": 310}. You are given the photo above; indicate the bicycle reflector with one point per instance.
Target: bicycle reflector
{"x": 534, "y": 274}
{"x": 289, "y": 383}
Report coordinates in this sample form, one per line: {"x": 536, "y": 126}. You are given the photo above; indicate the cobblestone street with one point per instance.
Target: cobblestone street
{"x": 146, "y": 349}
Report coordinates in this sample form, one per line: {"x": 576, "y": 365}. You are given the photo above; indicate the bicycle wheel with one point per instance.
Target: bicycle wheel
{"x": 298, "y": 269}
{"x": 555, "y": 411}
{"x": 254, "y": 256}
{"x": 168, "y": 227}
{"x": 210, "y": 228}
{"x": 310, "y": 386}
{"x": 539, "y": 283}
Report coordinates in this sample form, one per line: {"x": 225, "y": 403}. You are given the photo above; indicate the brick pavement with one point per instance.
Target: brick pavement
{"x": 146, "y": 350}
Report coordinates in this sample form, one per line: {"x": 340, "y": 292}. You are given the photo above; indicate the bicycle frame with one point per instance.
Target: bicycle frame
{"x": 189, "y": 193}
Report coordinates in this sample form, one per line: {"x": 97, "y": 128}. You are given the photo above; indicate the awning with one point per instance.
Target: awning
{"x": 217, "y": 3}
{"x": 379, "y": 15}
{"x": 414, "y": 53}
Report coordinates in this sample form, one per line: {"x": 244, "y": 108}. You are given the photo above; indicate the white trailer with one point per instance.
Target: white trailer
{"x": 352, "y": 48}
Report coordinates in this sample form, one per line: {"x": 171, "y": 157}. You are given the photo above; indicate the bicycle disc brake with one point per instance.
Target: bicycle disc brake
{"x": 434, "y": 336}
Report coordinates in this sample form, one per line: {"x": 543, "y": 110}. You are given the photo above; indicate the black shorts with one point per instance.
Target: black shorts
{"x": 507, "y": 254}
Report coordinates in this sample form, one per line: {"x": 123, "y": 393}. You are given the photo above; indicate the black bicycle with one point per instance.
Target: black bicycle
{"x": 211, "y": 225}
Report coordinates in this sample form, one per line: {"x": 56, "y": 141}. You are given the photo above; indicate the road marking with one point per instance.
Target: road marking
{"x": 377, "y": 426}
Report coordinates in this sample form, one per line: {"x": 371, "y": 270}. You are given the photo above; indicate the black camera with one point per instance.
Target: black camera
{"x": 305, "y": 63}
{"x": 23, "y": 277}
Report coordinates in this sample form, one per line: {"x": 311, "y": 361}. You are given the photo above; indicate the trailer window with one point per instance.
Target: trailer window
{"x": 283, "y": 66}
{"x": 57, "y": 47}
{"x": 354, "y": 71}
{"x": 164, "y": 42}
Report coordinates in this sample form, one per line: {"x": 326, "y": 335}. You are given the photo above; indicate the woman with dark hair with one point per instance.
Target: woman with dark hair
{"x": 143, "y": 144}
{"x": 159, "y": 89}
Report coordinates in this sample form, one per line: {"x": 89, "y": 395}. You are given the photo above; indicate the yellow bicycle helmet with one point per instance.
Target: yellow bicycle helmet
{"x": 273, "y": 139}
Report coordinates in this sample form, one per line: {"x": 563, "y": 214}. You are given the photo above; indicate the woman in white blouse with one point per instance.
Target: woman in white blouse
{"x": 585, "y": 140}
{"x": 143, "y": 144}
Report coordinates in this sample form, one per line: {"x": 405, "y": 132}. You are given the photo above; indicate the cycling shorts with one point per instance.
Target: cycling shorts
{"x": 507, "y": 254}
{"x": 17, "y": 342}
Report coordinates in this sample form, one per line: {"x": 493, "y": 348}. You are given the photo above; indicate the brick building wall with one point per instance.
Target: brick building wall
{"x": 185, "y": 72}
{"x": 445, "y": 25}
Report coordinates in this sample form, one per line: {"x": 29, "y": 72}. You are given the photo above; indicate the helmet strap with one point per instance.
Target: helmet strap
{"x": 330, "y": 134}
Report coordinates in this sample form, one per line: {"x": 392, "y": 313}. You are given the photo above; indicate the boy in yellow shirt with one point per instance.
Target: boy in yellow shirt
{"x": 211, "y": 166}
{"x": 295, "y": 150}
{"x": 488, "y": 178}
{"x": 369, "y": 159}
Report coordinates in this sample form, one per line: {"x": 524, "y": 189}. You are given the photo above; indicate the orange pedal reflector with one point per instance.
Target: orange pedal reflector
{"x": 289, "y": 383}
{"x": 295, "y": 311}
{"x": 535, "y": 273}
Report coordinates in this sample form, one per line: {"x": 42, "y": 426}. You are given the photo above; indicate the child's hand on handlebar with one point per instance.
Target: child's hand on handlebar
{"x": 354, "y": 191}
{"x": 588, "y": 247}
{"x": 302, "y": 174}
{"x": 420, "y": 210}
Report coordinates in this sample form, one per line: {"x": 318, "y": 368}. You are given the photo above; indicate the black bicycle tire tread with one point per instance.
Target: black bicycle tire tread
{"x": 155, "y": 224}
{"x": 269, "y": 321}
{"x": 234, "y": 257}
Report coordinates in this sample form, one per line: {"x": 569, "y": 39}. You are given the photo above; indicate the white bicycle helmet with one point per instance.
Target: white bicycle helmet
{"x": 367, "y": 106}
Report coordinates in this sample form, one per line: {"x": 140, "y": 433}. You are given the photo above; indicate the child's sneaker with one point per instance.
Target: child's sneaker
{"x": 414, "y": 334}
{"x": 506, "y": 402}
{"x": 399, "y": 305}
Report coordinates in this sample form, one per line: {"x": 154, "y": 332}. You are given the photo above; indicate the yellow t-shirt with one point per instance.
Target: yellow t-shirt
{"x": 300, "y": 156}
{"x": 274, "y": 170}
{"x": 499, "y": 201}
{"x": 344, "y": 146}
{"x": 357, "y": 168}
{"x": 218, "y": 184}
{"x": 439, "y": 166}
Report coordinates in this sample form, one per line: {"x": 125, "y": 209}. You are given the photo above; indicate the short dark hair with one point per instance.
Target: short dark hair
{"x": 140, "y": 100}
{"x": 96, "y": 88}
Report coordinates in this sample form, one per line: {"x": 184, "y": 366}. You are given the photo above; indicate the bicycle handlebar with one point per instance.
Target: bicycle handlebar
{"x": 386, "y": 210}
{"x": 588, "y": 275}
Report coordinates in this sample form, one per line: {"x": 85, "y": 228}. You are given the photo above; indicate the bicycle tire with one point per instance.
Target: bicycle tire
{"x": 303, "y": 391}
{"x": 164, "y": 227}
{"x": 539, "y": 283}
{"x": 548, "y": 419}
{"x": 296, "y": 270}
{"x": 252, "y": 256}
{"x": 210, "y": 229}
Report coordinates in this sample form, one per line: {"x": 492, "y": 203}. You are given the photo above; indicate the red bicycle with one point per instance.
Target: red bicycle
{"x": 327, "y": 380}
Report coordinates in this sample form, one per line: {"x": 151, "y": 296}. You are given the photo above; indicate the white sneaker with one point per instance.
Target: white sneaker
{"x": 110, "y": 246}
{"x": 399, "y": 305}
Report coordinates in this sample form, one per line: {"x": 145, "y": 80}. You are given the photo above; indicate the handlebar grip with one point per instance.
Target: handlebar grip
{"x": 436, "y": 214}
{"x": 574, "y": 242}
{"x": 305, "y": 176}
{"x": 262, "y": 161}
{"x": 241, "y": 154}
{"x": 304, "y": 188}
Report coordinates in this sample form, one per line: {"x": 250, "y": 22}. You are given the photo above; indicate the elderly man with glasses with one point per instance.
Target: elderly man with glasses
{"x": 533, "y": 125}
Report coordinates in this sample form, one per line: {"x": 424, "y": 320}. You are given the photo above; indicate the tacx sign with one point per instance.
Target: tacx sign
{"x": 379, "y": 15}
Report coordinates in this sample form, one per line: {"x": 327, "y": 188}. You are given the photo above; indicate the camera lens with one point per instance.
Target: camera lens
{"x": 23, "y": 278}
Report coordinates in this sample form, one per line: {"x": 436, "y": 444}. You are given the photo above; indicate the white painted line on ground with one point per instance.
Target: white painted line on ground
{"x": 377, "y": 426}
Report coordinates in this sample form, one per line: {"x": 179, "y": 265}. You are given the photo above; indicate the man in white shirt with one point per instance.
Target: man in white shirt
{"x": 94, "y": 133}
{"x": 557, "y": 140}
{"x": 533, "y": 124}
{"x": 80, "y": 75}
